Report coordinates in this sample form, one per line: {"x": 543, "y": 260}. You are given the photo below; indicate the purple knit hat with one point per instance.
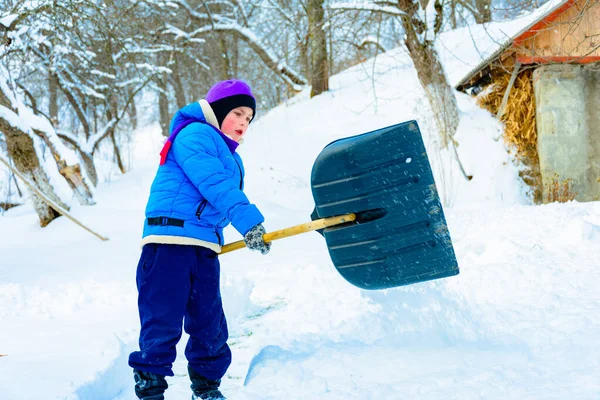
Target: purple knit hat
{"x": 226, "y": 95}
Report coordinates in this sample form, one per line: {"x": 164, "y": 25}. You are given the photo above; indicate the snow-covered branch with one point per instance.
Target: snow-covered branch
{"x": 192, "y": 13}
{"x": 70, "y": 138}
{"x": 370, "y": 39}
{"x": 42, "y": 127}
{"x": 385, "y": 3}
{"x": 8, "y": 20}
{"x": 372, "y": 7}
{"x": 19, "y": 121}
{"x": 273, "y": 62}
{"x": 93, "y": 141}
{"x": 149, "y": 51}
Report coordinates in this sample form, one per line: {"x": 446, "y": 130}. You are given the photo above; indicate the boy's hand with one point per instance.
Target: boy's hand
{"x": 254, "y": 239}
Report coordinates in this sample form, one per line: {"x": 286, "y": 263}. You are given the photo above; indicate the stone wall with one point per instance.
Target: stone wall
{"x": 568, "y": 127}
{"x": 592, "y": 85}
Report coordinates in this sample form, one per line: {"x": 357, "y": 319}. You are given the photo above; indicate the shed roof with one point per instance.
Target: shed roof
{"x": 466, "y": 51}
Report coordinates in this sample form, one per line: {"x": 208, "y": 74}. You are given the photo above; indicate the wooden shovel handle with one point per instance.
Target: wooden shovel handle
{"x": 294, "y": 230}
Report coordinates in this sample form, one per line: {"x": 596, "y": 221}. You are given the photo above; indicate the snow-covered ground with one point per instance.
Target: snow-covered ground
{"x": 521, "y": 321}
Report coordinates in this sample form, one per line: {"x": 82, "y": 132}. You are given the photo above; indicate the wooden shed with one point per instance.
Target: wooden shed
{"x": 568, "y": 34}
{"x": 543, "y": 82}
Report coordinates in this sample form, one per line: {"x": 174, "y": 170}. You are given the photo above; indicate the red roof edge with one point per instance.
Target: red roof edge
{"x": 544, "y": 22}
{"x": 556, "y": 59}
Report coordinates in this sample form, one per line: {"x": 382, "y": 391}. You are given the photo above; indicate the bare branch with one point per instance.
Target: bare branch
{"x": 389, "y": 10}
{"x": 47, "y": 199}
{"x": 269, "y": 59}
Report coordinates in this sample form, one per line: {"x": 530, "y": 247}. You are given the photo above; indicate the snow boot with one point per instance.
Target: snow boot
{"x": 204, "y": 388}
{"x": 212, "y": 395}
{"x": 149, "y": 386}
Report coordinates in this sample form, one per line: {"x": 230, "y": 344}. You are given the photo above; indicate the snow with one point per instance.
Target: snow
{"x": 103, "y": 74}
{"x": 521, "y": 320}
{"x": 14, "y": 120}
{"x": 8, "y": 19}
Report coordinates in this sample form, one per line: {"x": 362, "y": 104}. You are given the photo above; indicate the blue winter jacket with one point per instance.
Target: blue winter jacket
{"x": 200, "y": 183}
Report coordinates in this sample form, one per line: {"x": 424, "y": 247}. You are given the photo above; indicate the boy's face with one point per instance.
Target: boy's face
{"x": 236, "y": 122}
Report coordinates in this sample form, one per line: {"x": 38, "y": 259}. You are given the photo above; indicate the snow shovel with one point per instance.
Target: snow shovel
{"x": 377, "y": 207}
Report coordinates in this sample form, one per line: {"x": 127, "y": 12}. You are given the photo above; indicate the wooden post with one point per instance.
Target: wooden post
{"x": 508, "y": 89}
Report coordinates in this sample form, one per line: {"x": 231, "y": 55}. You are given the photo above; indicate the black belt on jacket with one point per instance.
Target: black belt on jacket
{"x": 165, "y": 221}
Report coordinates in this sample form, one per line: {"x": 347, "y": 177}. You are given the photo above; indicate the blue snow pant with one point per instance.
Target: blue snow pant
{"x": 179, "y": 284}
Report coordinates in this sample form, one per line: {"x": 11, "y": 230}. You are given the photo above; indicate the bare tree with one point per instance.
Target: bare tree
{"x": 420, "y": 31}
{"x": 319, "y": 77}
{"x": 24, "y": 152}
{"x": 95, "y": 66}
{"x": 229, "y": 18}
{"x": 481, "y": 10}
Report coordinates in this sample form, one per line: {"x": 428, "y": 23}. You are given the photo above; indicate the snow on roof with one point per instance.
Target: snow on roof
{"x": 466, "y": 51}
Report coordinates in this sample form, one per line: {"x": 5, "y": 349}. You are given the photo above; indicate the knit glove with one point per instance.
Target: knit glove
{"x": 254, "y": 239}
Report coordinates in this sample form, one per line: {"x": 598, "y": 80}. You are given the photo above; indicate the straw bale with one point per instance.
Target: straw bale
{"x": 519, "y": 122}
{"x": 559, "y": 190}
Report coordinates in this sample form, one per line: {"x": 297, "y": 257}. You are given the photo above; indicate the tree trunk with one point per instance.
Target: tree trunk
{"x": 53, "y": 99}
{"x": 484, "y": 11}
{"x": 226, "y": 72}
{"x": 304, "y": 56}
{"x": 163, "y": 100}
{"x": 112, "y": 113}
{"x": 27, "y": 162}
{"x": 163, "y": 107}
{"x": 430, "y": 72}
{"x": 453, "y": 4}
{"x": 86, "y": 158}
{"x": 180, "y": 95}
{"x": 22, "y": 152}
{"x": 117, "y": 152}
{"x": 235, "y": 56}
{"x": 90, "y": 167}
{"x": 71, "y": 173}
{"x": 132, "y": 111}
{"x": 319, "y": 71}
{"x": 441, "y": 99}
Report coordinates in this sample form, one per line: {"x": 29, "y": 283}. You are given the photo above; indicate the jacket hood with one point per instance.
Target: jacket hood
{"x": 194, "y": 112}
{"x": 188, "y": 114}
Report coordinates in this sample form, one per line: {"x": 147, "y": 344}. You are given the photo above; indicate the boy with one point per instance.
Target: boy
{"x": 197, "y": 191}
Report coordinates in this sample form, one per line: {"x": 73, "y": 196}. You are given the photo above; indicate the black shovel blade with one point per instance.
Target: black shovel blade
{"x": 400, "y": 236}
